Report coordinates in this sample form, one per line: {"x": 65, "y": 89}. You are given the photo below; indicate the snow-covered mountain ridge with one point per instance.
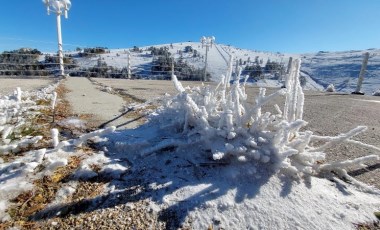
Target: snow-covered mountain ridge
{"x": 318, "y": 69}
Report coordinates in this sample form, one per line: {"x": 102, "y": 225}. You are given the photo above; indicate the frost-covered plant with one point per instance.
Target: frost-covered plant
{"x": 376, "y": 93}
{"x": 330, "y": 88}
{"x": 234, "y": 131}
{"x": 54, "y": 137}
{"x": 18, "y": 94}
{"x": 16, "y": 113}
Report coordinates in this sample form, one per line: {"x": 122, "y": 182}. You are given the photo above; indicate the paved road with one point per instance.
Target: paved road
{"x": 146, "y": 90}
{"x": 87, "y": 99}
{"x": 331, "y": 114}
{"x": 8, "y": 85}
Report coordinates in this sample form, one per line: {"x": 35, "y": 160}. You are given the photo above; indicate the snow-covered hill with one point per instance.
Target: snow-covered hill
{"x": 318, "y": 69}
{"x": 342, "y": 69}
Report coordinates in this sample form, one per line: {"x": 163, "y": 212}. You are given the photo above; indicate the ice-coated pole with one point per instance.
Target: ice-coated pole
{"x": 361, "y": 74}
{"x": 59, "y": 7}
{"x": 60, "y": 48}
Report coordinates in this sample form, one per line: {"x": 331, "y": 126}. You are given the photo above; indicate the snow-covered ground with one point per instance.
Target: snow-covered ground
{"x": 207, "y": 158}
{"x": 342, "y": 69}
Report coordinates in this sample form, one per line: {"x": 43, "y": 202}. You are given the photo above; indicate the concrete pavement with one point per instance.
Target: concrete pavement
{"x": 105, "y": 109}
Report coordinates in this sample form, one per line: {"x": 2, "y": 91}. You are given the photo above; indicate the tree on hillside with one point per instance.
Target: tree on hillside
{"x": 274, "y": 67}
{"x": 188, "y": 49}
{"x": 23, "y": 61}
{"x": 254, "y": 71}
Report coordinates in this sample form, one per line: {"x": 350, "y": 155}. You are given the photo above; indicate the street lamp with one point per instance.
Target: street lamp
{"x": 207, "y": 42}
{"x": 58, "y": 7}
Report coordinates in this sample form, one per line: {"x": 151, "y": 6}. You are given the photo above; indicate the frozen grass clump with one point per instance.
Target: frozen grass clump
{"x": 376, "y": 93}
{"x": 330, "y": 88}
{"x": 232, "y": 131}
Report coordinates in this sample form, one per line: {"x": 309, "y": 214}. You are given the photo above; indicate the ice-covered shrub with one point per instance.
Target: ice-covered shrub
{"x": 16, "y": 114}
{"x": 376, "y": 93}
{"x": 231, "y": 130}
{"x": 330, "y": 88}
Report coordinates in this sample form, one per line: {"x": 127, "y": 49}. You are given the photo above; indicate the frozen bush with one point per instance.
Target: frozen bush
{"x": 330, "y": 88}
{"x": 223, "y": 123}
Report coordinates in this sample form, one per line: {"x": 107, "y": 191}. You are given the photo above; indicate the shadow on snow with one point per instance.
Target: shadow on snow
{"x": 179, "y": 178}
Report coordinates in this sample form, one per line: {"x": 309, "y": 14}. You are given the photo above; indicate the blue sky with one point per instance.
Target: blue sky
{"x": 293, "y": 26}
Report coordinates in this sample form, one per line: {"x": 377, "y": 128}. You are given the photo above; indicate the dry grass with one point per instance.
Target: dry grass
{"x": 368, "y": 226}
{"x": 32, "y": 202}
{"x": 45, "y": 189}
{"x": 44, "y": 192}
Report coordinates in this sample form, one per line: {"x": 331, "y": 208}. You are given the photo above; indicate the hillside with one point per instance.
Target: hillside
{"x": 218, "y": 57}
{"x": 318, "y": 69}
{"x": 266, "y": 69}
{"x": 342, "y": 69}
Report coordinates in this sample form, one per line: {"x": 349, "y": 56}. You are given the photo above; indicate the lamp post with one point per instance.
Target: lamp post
{"x": 207, "y": 42}
{"x": 59, "y": 7}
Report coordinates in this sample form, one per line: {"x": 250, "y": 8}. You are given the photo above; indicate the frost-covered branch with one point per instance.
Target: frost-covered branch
{"x": 331, "y": 141}
{"x": 358, "y": 162}
{"x": 78, "y": 142}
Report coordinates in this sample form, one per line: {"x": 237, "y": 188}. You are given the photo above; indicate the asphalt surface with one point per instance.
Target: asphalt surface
{"x": 100, "y": 108}
{"x": 8, "y": 85}
{"x": 332, "y": 114}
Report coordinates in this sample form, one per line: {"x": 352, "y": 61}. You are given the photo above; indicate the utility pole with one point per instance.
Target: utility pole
{"x": 207, "y": 42}
{"x": 59, "y": 7}
{"x": 361, "y": 75}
